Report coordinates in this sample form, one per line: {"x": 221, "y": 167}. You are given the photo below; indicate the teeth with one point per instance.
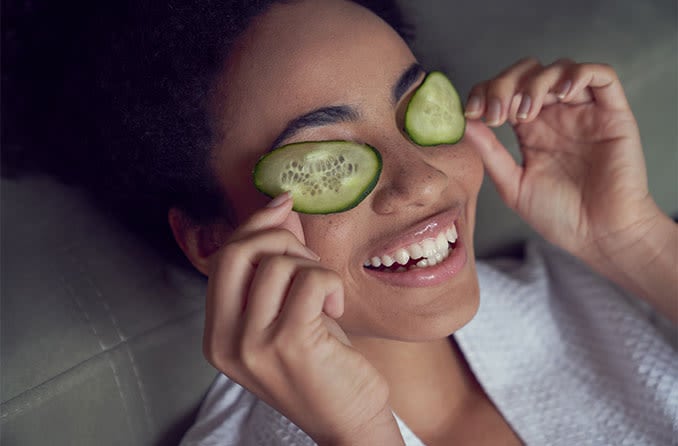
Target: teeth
{"x": 441, "y": 242}
{"x": 431, "y": 251}
{"x": 429, "y": 246}
{"x": 401, "y": 256}
{"x": 451, "y": 234}
{"x": 416, "y": 251}
{"x": 422, "y": 263}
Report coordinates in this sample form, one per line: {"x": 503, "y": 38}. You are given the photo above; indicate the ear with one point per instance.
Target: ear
{"x": 198, "y": 241}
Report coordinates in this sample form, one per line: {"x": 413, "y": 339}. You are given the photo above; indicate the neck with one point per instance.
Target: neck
{"x": 430, "y": 382}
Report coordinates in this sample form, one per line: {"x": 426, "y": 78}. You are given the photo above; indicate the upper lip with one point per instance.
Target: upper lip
{"x": 428, "y": 228}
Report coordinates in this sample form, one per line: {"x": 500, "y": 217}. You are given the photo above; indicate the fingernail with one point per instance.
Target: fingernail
{"x": 279, "y": 200}
{"x": 472, "y": 106}
{"x": 493, "y": 112}
{"x": 312, "y": 254}
{"x": 524, "y": 108}
{"x": 564, "y": 89}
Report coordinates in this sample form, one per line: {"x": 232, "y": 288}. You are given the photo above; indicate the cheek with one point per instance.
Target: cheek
{"x": 464, "y": 167}
{"x": 326, "y": 235}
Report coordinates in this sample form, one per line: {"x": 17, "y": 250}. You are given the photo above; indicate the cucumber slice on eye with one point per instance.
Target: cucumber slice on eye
{"x": 435, "y": 114}
{"x": 323, "y": 177}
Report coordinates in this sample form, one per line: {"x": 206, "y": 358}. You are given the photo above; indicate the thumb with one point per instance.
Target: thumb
{"x": 504, "y": 172}
{"x": 293, "y": 224}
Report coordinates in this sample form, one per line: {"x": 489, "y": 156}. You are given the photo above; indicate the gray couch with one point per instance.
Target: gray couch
{"x": 100, "y": 336}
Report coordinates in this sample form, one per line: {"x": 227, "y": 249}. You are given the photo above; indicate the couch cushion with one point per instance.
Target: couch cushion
{"x": 100, "y": 337}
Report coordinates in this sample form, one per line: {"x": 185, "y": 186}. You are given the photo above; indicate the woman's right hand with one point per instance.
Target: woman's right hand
{"x": 270, "y": 326}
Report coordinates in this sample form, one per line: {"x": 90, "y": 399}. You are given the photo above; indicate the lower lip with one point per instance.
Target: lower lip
{"x": 429, "y": 276}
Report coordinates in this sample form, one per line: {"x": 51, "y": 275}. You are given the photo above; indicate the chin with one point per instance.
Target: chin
{"x": 457, "y": 312}
{"x": 424, "y": 315}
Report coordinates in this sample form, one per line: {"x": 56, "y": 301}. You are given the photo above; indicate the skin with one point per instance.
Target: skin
{"x": 291, "y": 314}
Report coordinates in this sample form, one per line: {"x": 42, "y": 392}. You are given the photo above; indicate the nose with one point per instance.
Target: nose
{"x": 408, "y": 180}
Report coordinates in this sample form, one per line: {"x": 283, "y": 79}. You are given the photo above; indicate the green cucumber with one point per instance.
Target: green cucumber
{"x": 435, "y": 114}
{"x": 324, "y": 177}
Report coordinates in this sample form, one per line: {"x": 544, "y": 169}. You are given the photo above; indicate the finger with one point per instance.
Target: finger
{"x": 267, "y": 292}
{"x": 502, "y": 169}
{"x": 229, "y": 280}
{"x": 501, "y": 90}
{"x": 600, "y": 80}
{"x": 306, "y": 300}
{"x": 277, "y": 213}
{"x": 274, "y": 214}
{"x": 538, "y": 90}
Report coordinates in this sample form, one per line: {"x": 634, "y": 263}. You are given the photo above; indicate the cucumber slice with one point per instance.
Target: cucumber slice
{"x": 435, "y": 114}
{"x": 324, "y": 177}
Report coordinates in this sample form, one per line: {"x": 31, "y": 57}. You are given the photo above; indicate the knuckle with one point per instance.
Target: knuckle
{"x": 233, "y": 251}
{"x": 215, "y": 355}
{"x": 316, "y": 276}
{"x": 501, "y": 85}
{"x": 563, "y": 61}
{"x": 281, "y": 233}
{"x": 608, "y": 70}
{"x": 479, "y": 89}
{"x": 272, "y": 266}
{"x": 529, "y": 60}
{"x": 251, "y": 355}
{"x": 250, "y": 359}
{"x": 585, "y": 68}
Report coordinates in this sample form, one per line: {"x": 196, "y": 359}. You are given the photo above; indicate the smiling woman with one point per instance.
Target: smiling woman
{"x": 377, "y": 325}
{"x": 356, "y": 324}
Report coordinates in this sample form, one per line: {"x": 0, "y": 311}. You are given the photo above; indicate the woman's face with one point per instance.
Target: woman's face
{"x": 303, "y": 57}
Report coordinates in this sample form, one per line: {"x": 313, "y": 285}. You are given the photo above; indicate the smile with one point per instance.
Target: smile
{"x": 423, "y": 254}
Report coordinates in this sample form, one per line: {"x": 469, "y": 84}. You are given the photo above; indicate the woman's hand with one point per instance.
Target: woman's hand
{"x": 270, "y": 327}
{"x": 583, "y": 181}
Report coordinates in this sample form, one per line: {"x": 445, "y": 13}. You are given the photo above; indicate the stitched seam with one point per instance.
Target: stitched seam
{"x": 42, "y": 397}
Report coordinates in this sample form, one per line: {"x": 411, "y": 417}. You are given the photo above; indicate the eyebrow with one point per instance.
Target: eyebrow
{"x": 406, "y": 80}
{"x": 317, "y": 118}
{"x": 343, "y": 113}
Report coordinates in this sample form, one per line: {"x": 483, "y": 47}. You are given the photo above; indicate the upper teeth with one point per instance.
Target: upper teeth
{"x": 431, "y": 251}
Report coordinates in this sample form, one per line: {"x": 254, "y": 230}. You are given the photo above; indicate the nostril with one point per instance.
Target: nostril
{"x": 416, "y": 184}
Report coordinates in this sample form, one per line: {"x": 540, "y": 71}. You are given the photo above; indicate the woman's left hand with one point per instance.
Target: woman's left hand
{"x": 583, "y": 181}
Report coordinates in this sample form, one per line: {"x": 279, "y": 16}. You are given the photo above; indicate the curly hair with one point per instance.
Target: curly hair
{"x": 131, "y": 112}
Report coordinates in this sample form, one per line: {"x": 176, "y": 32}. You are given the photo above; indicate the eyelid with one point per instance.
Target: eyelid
{"x": 401, "y": 106}
{"x": 321, "y": 140}
{"x": 414, "y": 87}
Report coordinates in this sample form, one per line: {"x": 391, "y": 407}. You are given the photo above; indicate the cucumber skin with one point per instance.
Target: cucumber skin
{"x": 298, "y": 208}
{"x": 421, "y": 141}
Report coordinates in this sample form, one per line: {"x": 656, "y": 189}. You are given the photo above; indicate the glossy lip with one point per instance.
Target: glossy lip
{"x": 429, "y": 228}
{"x": 429, "y": 276}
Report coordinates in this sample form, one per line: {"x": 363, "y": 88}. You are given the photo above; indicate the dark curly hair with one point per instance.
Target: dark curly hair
{"x": 129, "y": 87}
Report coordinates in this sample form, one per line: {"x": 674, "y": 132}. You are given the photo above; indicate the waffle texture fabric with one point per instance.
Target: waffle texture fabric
{"x": 567, "y": 358}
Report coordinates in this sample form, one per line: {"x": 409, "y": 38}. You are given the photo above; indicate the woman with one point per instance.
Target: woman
{"x": 351, "y": 354}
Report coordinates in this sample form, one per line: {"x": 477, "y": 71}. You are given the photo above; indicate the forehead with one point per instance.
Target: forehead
{"x": 300, "y": 56}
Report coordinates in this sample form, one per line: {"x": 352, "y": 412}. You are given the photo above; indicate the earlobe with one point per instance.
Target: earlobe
{"x": 198, "y": 241}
